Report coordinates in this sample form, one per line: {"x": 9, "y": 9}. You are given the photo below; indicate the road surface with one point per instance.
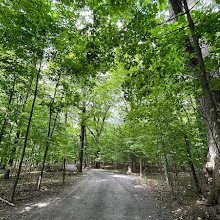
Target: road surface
{"x": 99, "y": 196}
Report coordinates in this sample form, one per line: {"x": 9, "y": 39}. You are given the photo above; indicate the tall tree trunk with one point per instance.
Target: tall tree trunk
{"x": 49, "y": 137}
{"x": 7, "y": 111}
{"x": 82, "y": 141}
{"x": 166, "y": 168}
{"x": 97, "y": 162}
{"x": 13, "y": 150}
{"x": 166, "y": 164}
{"x": 26, "y": 137}
{"x": 141, "y": 168}
{"x": 209, "y": 106}
{"x": 191, "y": 164}
{"x": 208, "y": 98}
{"x": 66, "y": 118}
{"x": 131, "y": 162}
{"x": 85, "y": 148}
{"x": 49, "y": 133}
{"x": 8, "y": 169}
{"x": 97, "y": 134}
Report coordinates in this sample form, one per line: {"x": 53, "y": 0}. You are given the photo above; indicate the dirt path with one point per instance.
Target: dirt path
{"x": 99, "y": 196}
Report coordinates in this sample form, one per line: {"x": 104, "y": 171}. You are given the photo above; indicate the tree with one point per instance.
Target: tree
{"x": 209, "y": 105}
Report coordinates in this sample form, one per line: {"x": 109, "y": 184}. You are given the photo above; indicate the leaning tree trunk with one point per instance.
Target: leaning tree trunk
{"x": 13, "y": 150}
{"x": 26, "y": 137}
{"x": 49, "y": 133}
{"x": 210, "y": 107}
{"x": 7, "y": 111}
{"x": 209, "y": 104}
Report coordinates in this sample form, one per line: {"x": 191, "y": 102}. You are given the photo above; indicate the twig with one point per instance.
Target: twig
{"x": 3, "y": 200}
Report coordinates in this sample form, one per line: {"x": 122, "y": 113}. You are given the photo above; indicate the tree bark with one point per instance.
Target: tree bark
{"x": 66, "y": 118}
{"x": 49, "y": 133}
{"x": 82, "y": 141}
{"x": 191, "y": 164}
{"x": 209, "y": 106}
{"x": 188, "y": 149}
{"x": 131, "y": 162}
{"x": 7, "y": 111}
{"x": 8, "y": 169}
{"x": 13, "y": 150}
{"x": 141, "y": 168}
{"x": 97, "y": 162}
{"x": 166, "y": 164}
{"x": 85, "y": 148}
{"x": 98, "y": 132}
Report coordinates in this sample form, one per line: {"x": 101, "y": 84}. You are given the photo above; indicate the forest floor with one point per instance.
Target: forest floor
{"x": 147, "y": 193}
{"x": 52, "y": 184}
{"x": 184, "y": 202}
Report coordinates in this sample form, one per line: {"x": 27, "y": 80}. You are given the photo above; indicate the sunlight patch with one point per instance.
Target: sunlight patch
{"x": 104, "y": 180}
{"x": 37, "y": 205}
{"x": 42, "y": 204}
{"x": 138, "y": 186}
{"x": 28, "y": 208}
{"x": 120, "y": 176}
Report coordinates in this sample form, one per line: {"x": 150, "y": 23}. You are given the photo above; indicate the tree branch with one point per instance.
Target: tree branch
{"x": 91, "y": 132}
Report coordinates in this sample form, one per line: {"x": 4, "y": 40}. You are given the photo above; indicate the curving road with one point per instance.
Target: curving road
{"x": 99, "y": 196}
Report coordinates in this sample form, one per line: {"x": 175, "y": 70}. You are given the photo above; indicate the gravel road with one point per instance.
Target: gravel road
{"x": 99, "y": 196}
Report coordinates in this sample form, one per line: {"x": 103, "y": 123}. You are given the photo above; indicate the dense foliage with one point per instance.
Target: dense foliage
{"x": 119, "y": 71}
